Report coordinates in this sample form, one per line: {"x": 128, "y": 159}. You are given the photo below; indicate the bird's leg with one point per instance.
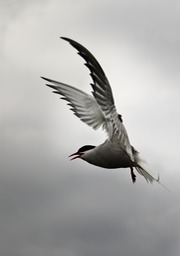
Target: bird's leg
{"x": 133, "y": 176}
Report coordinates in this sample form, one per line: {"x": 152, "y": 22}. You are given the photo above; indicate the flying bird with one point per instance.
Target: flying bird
{"x": 99, "y": 110}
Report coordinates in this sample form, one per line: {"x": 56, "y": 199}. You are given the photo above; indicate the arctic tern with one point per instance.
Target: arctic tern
{"x": 98, "y": 110}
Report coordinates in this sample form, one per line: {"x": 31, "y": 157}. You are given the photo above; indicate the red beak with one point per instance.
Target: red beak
{"x": 76, "y": 155}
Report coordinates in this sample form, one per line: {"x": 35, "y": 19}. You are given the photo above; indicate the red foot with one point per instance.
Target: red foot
{"x": 133, "y": 176}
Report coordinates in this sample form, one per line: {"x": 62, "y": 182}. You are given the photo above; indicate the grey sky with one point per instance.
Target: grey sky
{"x": 49, "y": 205}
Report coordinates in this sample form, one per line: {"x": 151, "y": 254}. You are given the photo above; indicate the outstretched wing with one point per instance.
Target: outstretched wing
{"x": 82, "y": 104}
{"x": 103, "y": 94}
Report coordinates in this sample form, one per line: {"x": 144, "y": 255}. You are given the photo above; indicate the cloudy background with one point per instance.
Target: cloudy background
{"x": 50, "y": 205}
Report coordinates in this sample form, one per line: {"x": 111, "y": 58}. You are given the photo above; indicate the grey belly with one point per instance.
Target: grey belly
{"x": 112, "y": 160}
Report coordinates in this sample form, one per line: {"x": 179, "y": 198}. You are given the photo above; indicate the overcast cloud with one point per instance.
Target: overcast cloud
{"x": 49, "y": 205}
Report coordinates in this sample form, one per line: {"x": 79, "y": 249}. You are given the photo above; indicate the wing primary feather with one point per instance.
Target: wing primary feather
{"x": 82, "y": 104}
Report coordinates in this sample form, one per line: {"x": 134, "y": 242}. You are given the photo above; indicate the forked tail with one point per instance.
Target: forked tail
{"x": 142, "y": 169}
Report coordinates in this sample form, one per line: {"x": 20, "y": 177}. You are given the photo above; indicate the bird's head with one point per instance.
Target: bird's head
{"x": 81, "y": 152}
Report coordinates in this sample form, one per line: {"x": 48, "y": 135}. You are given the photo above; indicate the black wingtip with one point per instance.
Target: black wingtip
{"x": 43, "y": 78}
{"x": 63, "y": 37}
{"x": 47, "y": 79}
{"x": 66, "y": 39}
{"x": 75, "y": 44}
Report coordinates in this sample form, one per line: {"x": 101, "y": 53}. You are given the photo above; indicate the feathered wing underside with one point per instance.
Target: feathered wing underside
{"x": 103, "y": 94}
{"x": 82, "y": 104}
